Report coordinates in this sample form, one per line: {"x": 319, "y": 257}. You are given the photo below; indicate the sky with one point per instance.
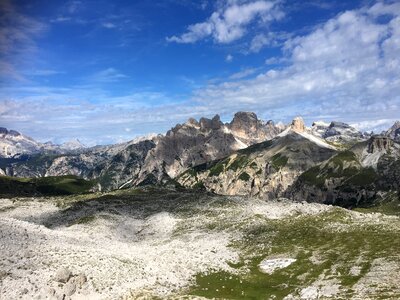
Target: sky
{"x": 108, "y": 71}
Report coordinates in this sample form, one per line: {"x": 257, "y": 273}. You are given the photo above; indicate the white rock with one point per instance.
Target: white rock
{"x": 268, "y": 266}
{"x": 63, "y": 275}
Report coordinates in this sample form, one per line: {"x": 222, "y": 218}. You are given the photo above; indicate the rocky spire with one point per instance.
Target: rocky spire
{"x": 379, "y": 143}
{"x": 394, "y": 131}
{"x": 298, "y": 124}
{"x": 244, "y": 120}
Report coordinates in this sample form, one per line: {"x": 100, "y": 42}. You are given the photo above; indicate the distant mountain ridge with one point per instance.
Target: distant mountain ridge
{"x": 246, "y": 156}
{"x": 13, "y": 143}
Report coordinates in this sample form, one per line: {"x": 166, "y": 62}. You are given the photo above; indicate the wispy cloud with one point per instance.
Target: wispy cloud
{"x": 73, "y": 6}
{"x": 91, "y": 115}
{"x": 229, "y": 58}
{"x": 43, "y": 72}
{"x": 109, "y": 25}
{"x": 269, "y": 39}
{"x": 107, "y": 75}
{"x": 17, "y": 39}
{"x": 243, "y": 74}
{"x": 230, "y": 22}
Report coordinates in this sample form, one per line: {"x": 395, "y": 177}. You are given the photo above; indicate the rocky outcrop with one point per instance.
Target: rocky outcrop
{"x": 358, "y": 176}
{"x": 246, "y": 127}
{"x": 379, "y": 143}
{"x": 3, "y": 131}
{"x": 298, "y": 124}
{"x": 394, "y": 131}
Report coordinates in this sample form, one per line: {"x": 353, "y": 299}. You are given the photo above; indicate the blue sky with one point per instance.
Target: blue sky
{"x": 108, "y": 71}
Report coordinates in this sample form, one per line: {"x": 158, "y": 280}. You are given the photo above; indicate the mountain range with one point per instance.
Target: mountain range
{"x": 327, "y": 162}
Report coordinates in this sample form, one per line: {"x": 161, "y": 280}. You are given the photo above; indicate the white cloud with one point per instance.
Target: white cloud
{"x": 229, "y": 58}
{"x": 17, "y": 39}
{"x": 73, "y": 6}
{"x": 107, "y": 75}
{"x": 108, "y": 25}
{"x": 259, "y": 41}
{"x": 270, "y": 39}
{"x": 347, "y": 69}
{"x": 230, "y": 22}
{"x": 44, "y": 72}
{"x": 243, "y": 74}
{"x": 60, "y": 19}
{"x": 378, "y": 125}
{"x": 87, "y": 113}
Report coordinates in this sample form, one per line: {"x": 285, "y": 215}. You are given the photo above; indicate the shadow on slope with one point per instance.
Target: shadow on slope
{"x": 135, "y": 203}
{"x": 60, "y": 185}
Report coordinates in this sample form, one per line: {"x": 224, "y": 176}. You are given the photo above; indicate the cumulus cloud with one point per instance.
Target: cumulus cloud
{"x": 230, "y": 22}
{"x": 346, "y": 69}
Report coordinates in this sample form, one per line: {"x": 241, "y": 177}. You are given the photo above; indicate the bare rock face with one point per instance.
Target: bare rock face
{"x": 394, "y": 131}
{"x": 248, "y": 128}
{"x": 298, "y": 124}
{"x": 379, "y": 143}
{"x": 264, "y": 170}
{"x": 3, "y": 131}
{"x": 245, "y": 123}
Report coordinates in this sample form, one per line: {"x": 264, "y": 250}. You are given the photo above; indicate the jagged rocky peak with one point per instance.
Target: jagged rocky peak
{"x": 4, "y": 131}
{"x": 192, "y": 122}
{"x": 298, "y": 124}
{"x": 211, "y": 124}
{"x": 13, "y": 133}
{"x": 379, "y": 143}
{"x": 394, "y": 131}
{"x": 244, "y": 120}
{"x": 246, "y": 126}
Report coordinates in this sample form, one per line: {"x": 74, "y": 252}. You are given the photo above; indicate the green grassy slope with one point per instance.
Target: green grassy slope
{"x": 59, "y": 185}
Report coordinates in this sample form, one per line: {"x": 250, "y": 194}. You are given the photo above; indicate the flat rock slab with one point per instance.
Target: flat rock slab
{"x": 268, "y": 265}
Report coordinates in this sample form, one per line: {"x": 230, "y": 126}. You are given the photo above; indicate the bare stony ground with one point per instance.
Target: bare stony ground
{"x": 157, "y": 244}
